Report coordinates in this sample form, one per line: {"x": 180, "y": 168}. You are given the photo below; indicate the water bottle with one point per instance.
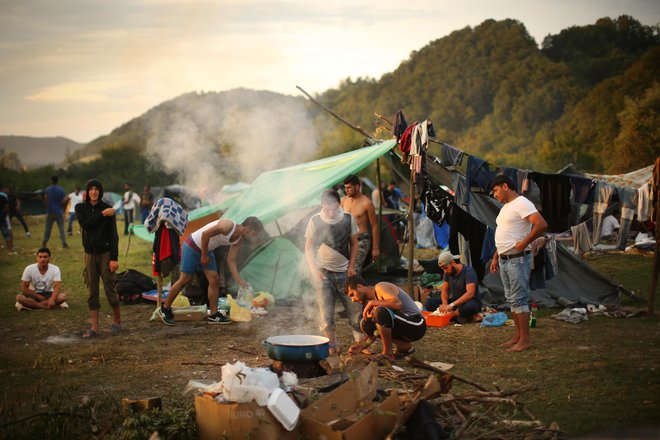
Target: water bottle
{"x": 532, "y": 316}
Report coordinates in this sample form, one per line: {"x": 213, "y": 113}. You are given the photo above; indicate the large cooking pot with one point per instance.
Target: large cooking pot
{"x": 297, "y": 348}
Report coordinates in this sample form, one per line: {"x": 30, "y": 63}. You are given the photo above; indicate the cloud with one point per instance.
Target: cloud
{"x": 89, "y": 91}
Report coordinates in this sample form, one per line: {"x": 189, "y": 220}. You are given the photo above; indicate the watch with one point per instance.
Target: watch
{"x": 451, "y": 305}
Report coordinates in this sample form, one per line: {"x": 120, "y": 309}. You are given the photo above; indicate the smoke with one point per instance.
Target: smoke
{"x": 213, "y": 139}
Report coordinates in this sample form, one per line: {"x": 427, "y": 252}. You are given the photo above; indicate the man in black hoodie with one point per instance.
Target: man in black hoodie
{"x": 101, "y": 243}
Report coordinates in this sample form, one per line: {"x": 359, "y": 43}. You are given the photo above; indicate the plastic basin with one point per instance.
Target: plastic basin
{"x": 435, "y": 320}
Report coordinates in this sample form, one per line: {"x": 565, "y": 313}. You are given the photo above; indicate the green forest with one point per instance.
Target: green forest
{"x": 589, "y": 95}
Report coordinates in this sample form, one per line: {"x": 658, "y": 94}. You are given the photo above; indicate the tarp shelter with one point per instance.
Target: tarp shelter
{"x": 32, "y": 202}
{"x": 276, "y": 196}
{"x": 576, "y": 282}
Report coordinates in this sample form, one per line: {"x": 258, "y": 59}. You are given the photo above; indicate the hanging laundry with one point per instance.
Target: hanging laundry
{"x": 450, "y": 156}
{"x": 405, "y": 141}
{"x": 601, "y": 199}
{"x": 479, "y": 174}
{"x": 628, "y": 199}
{"x": 583, "y": 189}
{"x": 166, "y": 250}
{"x": 473, "y": 231}
{"x": 581, "y": 238}
{"x": 399, "y": 125}
{"x": 541, "y": 270}
{"x": 523, "y": 181}
{"x": 167, "y": 210}
{"x": 488, "y": 247}
{"x": 555, "y": 199}
{"x": 643, "y": 202}
{"x": 437, "y": 203}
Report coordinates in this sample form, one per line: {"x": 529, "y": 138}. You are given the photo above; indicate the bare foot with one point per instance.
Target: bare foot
{"x": 510, "y": 343}
{"x": 520, "y": 347}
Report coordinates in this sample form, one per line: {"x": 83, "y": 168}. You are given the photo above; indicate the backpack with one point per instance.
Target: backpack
{"x": 131, "y": 284}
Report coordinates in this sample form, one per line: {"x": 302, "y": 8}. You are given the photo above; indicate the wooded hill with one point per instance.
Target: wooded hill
{"x": 589, "y": 95}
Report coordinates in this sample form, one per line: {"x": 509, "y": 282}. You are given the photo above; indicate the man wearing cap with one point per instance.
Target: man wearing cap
{"x": 460, "y": 292}
{"x": 518, "y": 225}
{"x": 101, "y": 243}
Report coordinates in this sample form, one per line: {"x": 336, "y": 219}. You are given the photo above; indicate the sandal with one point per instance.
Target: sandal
{"x": 90, "y": 334}
{"x": 400, "y": 354}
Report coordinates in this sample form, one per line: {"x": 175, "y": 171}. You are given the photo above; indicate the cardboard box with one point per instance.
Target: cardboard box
{"x": 349, "y": 412}
{"x": 221, "y": 421}
{"x": 192, "y": 313}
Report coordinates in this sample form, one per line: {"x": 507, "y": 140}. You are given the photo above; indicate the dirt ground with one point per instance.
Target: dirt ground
{"x": 568, "y": 363}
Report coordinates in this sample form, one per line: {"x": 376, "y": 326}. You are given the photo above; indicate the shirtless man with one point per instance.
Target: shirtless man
{"x": 362, "y": 209}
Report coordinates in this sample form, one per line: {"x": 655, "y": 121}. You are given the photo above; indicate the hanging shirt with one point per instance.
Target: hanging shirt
{"x": 555, "y": 199}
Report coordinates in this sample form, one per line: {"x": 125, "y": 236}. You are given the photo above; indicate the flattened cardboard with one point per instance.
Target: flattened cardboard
{"x": 349, "y": 413}
{"x": 221, "y": 421}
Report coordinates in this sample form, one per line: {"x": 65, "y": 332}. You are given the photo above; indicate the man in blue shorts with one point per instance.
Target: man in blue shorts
{"x": 460, "y": 292}
{"x": 197, "y": 253}
{"x": 389, "y": 310}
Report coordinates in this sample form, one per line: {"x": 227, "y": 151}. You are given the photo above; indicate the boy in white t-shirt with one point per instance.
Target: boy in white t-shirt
{"x": 40, "y": 285}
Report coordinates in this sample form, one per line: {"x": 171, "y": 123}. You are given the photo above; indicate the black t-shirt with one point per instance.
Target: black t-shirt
{"x": 4, "y": 206}
{"x": 458, "y": 283}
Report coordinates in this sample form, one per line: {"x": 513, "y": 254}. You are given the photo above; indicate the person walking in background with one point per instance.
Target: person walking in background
{"x": 56, "y": 200}
{"x": 15, "y": 210}
{"x": 518, "y": 225}
{"x": 5, "y": 224}
{"x": 146, "y": 202}
{"x": 101, "y": 243}
{"x": 129, "y": 202}
{"x": 74, "y": 198}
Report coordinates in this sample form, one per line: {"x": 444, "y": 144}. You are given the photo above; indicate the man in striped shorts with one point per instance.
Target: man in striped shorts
{"x": 389, "y": 310}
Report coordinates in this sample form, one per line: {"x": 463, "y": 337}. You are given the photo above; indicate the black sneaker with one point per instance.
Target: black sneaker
{"x": 218, "y": 318}
{"x": 166, "y": 315}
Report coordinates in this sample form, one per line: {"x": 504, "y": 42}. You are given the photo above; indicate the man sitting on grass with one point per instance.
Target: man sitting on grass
{"x": 389, "y": 310}
{"x": 40, "y": 285}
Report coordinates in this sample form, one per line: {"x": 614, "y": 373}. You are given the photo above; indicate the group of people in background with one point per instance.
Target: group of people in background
{"x": 338, "y": 240}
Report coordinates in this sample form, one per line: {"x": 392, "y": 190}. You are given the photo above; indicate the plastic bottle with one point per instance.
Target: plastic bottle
{"x": 532, "y": 316}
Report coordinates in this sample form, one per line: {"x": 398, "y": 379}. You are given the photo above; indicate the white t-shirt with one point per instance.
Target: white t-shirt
{"x": 610, "y": 224}
{"x": 131, "y": 200}
{"x": 74, "y": 200}
{"x": 512, "y": 224}
{"x": 38, "y": 282}
{"x": 326, "y": 257}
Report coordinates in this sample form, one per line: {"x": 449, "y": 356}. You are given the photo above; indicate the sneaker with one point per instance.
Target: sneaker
{"x": 166, "y": 315}
{"x": 218, "y": 318}
{"x": 65, "y": 246}
{"x": 64, "y": 305}
{"x": 27, "y": 234}
{"x": 20, "y": 306}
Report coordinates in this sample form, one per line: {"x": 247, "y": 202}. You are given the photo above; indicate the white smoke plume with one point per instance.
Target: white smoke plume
{"x": 213, "y": 139}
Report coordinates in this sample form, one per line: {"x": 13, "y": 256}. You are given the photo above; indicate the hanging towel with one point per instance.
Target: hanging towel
{"x": 581, "y": 238}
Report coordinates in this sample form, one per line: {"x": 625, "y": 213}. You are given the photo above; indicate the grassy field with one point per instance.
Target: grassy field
{"x": 595, "y": 376}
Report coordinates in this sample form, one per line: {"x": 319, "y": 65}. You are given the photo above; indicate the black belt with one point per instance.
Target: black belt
{"x": 520, "y": 254}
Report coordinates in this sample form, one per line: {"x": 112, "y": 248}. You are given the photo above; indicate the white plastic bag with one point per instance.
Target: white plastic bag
{"x": 243, "y": 384}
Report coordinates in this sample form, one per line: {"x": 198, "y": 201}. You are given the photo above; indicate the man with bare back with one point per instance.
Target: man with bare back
{"x": 362, "y": 209}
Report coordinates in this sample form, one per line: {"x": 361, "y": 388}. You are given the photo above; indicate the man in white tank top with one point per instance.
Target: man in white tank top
{"x": 197, "y": 253}
{"x": 518, "y": 224}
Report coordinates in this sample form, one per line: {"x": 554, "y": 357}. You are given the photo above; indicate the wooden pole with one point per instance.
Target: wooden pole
{"x": 656, "y": 259}
{"x": 354, "y": 127}
{"x": 411, "y": 234}
{"x": 380, "y": 214}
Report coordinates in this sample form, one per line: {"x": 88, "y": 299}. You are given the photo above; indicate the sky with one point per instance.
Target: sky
{"x": 80, "y": 68}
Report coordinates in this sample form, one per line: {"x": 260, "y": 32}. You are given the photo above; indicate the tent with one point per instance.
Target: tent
{"x": 576, "y": 281}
